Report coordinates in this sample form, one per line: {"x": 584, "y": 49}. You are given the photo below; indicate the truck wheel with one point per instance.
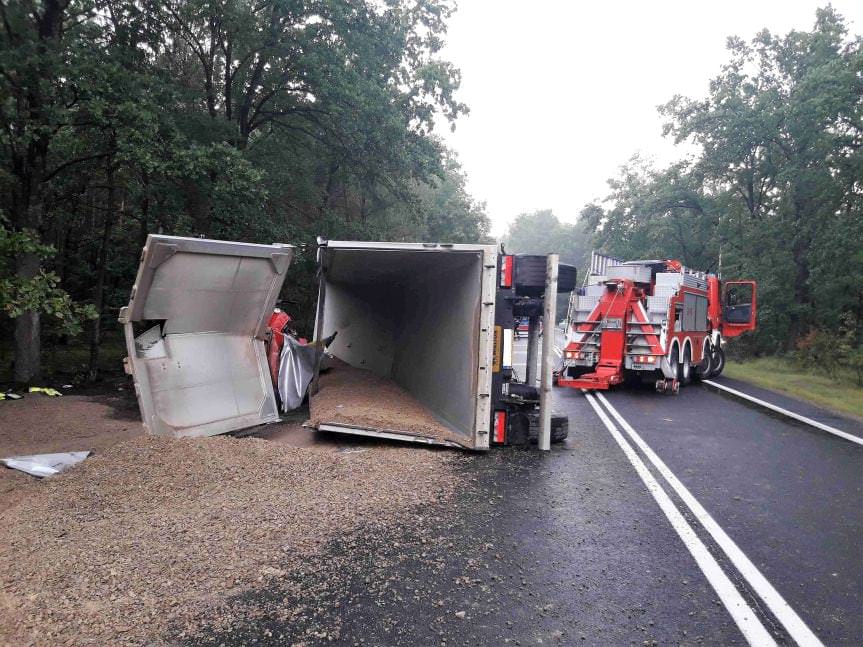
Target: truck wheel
{"x": 559, "y": 428}
{"x": 718, "y": 363}
{"x": 530, "y": 275}
{"x": 685, "y": 372}
{"x": 702, "y": 371}
{"x": 523, "y": 391}
{"x": 567, "y": 277}
{"x": 529, "y": 308}
{"x": 519, "y": 429}
{"x": 674, "y": 362}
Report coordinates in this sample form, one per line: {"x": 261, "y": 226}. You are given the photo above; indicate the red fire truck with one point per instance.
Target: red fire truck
{"x": 652, "y": 320}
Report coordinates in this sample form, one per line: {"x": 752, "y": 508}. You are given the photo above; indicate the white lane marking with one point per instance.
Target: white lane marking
{"x": 558, "y": 351}
{"x": 793, "y": 624}
{"x": 786, "y": 412}
{"x": 740, "y": 611}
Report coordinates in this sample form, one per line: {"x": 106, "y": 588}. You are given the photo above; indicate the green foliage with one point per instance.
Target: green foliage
{"x": 38, "y": 292}
{"x": 257, "y": 121}
{"x": 541, "y": 232}
{"x": 773, "y": 191}
{"x": 834, "y": 353}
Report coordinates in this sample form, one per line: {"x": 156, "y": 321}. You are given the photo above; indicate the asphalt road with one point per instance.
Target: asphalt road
{"x": 690, "y": 519}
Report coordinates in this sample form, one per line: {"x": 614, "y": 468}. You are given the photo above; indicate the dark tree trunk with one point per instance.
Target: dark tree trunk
{"x": 28, "y": 342}
{"x": 99, "y": 289}
{"x": 28, "y": 167}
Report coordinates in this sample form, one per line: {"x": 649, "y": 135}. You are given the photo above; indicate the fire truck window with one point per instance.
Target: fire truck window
{"x": 738, "y": 303}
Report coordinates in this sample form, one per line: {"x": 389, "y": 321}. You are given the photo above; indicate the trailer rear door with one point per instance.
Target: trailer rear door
{"x": 194, "y": 332}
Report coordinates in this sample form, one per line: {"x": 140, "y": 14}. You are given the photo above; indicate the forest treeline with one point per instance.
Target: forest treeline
{"x": 773, "y": 192}
{"x": 284, "y": 120}
{"x": 263, "y": 121}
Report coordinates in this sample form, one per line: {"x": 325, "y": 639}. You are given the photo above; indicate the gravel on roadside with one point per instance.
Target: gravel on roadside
{"x": 154, "y": 538}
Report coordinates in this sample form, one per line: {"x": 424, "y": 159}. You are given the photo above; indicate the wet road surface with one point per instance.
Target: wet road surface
{"x": 570, "y": 547}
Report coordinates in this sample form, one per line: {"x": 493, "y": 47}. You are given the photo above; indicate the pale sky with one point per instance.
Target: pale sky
{"x": 562, "y": 93}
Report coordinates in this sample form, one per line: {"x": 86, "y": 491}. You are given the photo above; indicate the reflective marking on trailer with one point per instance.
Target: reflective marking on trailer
{"x": 742, "y": 614}
{"x": 786, "y": 412}
{"x": 792, "y": 622}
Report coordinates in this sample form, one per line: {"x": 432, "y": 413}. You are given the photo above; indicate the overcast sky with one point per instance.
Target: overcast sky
{"x": 563, "y": 92}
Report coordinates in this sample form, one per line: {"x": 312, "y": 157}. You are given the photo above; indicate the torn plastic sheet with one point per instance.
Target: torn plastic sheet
{"x": 42, "y": 465}
{"x": 296, "y": 370}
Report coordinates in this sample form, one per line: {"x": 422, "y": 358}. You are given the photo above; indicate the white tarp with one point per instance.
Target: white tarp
{"x": 44, "y": 464}
{"x": 296, "y": 370}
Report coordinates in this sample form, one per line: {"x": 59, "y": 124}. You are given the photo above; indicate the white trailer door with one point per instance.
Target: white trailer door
{"x": 194, "y": 331}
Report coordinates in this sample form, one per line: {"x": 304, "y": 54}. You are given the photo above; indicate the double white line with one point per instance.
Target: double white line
{"x": 742, "y": 613}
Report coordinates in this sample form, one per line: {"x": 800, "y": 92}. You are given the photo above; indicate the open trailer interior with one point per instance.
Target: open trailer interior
{"x": 415, "y": 321}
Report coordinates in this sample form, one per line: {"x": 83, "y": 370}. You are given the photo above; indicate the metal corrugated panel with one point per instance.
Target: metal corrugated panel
{"x": 586, "y": 304}
{"x": 594, "y": 290}
{"x": 657, "y": 304}
{"x": 694, "y": 281}
{"x": 599, "y": 263}
{"x": 636, "y": 273}
{"x": 664, "y": 292}
{"x": 669, "y": 279}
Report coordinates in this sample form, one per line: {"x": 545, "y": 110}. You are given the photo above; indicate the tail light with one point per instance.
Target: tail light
{"x": 506, "y": 272}
{"x": 500, "y": 427}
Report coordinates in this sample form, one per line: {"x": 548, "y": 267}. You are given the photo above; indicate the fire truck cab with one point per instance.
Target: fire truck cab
{"x": 651, "y": 320}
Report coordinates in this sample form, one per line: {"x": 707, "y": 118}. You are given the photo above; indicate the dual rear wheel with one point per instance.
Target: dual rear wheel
{"x": 685, "y": 371}
{"x": 711, "y": 365}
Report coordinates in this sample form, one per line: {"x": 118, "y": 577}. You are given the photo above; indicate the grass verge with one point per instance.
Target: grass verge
{"x": 840, "y": 395}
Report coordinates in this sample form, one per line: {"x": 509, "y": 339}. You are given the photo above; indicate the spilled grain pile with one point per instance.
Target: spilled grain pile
{"x": 357, "y": 397}
{"x": 154, "y": 537}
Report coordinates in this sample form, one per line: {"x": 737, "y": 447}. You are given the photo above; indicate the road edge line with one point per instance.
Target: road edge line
{"x": 743, "y": 615}
{"x": 787, "y": 413}
{"x": 793, "y": 623}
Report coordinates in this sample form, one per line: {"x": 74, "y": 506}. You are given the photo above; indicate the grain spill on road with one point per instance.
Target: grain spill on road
{"x": 155, "y": 538}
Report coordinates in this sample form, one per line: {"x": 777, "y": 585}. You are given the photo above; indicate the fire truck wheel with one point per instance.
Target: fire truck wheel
{"x": 674, "y": 362}
{"x": 702, "y": 371}
{"x": 675, "y": 387}
{"x": 718, "y": 362}
{"x": 685, "y": 372}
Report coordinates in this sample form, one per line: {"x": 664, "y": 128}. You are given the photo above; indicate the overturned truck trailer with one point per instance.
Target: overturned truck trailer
{"x": 421, "y": 316}
{"x": 422, "y": 348}
{"x": 194, "y": 329}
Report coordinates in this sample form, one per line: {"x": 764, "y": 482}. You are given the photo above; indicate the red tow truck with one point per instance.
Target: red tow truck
{"x": 651, "y": 320}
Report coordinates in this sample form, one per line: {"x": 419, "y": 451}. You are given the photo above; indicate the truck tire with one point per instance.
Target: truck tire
{"x": 685, "y": 372}
{"x": 528, "y": 308}
{"x": 530, "y": 275}
{"x": 518, "y": 431}
{"x": 702, "y": 371}
{"x": 718, "y": 363}
{"x": 523, "y": 391}
{"x": 559, "y": 428}
{"x": 674, "y": 362}
{"x": 567, "y": 277}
